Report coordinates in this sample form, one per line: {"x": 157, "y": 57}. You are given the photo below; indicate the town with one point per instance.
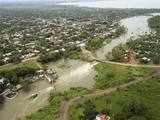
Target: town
{"x": 44, "y": 40}
{"x": 62, "y": 62}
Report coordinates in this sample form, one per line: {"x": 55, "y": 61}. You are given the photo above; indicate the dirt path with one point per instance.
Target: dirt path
{"x": 91, "y": 57}
{"x": 129, "y": 65}
{"x": 64, "y": 112}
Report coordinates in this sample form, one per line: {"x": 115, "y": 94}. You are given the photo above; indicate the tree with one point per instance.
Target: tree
{"x": 90, "y": 111}
{"x": 134, "y": 107}
{"x": 120, "y": 116}
{"x": 15, "y": 57}
{"x": 156, "y": 59}
{"x": 94, "y": 43}
{"x": 48, "y": 57}
{"x": 118, "y": 52}
{"x": 26, "y": 85}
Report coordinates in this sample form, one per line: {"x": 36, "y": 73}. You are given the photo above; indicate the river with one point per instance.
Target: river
{"x": 135, "y": 25}
{"x": 72, "y": 73}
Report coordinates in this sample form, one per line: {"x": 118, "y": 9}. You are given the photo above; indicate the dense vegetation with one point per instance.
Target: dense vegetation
{"x": 146, "y": 46}
{"x": 49, "y": 56}
{"x": 95, "y": 43}
{"x": 154, "y": 23}
{"x": 98, "y": 42}
{"x": 138, "y": 102}
{"x": 72, "y": 12}
{"x": 51, "y": 112}
{"x": 109, "y": 75}
{"x": 118, "y": 53}
{"x": 16, "y": 72}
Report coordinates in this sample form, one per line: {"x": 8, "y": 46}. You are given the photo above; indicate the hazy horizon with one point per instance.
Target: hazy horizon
{"x": 90, "y": 3}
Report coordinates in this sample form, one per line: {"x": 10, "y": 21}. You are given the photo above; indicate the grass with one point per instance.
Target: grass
{"x": 51, "y": 112}
{"x": 144, "y": 95}
{"x": 109, "y": 75}
{"x": 75, "y": 55}
{"x": 30, "y": 63}
{"x": 74, "y": 92}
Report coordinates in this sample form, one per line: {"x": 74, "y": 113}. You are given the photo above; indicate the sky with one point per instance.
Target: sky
{"x": 29, "y": 0}
{"x": 98, "y": 3}
{"x": 43, "y": 0}
{"x": 117, "y": 3}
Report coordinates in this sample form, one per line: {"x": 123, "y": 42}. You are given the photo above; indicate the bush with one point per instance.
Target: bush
{"x": 120, "y": 116}
{"x": 120, "y": 30}
{"x": 74, "y": 92}
{"x": 156, "y": 59}
{"x": 15, "y": 72}
{"x": 26, "y": 85}
{"x": 137, "y": 118}
{"x": 134, "y": 107}
{"x": 90, "y": 111}
{"x": 154, "y": 23}
{"x": 75, "y": 55}
{"x": 118, "y": 52}
{"x": 48, "y": 57}
{"x": 94, "y": 43}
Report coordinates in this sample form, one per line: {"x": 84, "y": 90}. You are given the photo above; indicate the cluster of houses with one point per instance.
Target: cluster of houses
{"x": 10, "y": 92}
{"x": 6, "y": 90}
{"x": 23, "y": 38}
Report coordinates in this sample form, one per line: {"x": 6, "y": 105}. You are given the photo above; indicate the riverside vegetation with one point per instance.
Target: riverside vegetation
{"x": 145, "y": 48}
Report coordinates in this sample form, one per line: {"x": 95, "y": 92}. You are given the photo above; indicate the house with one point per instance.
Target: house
{"x": 2, "y": 80}
{"x": 102, "y": 117}
{"x": 3, "y": 85}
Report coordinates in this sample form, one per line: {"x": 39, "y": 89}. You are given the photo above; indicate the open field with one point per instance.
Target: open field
{"x": 30, "y": 63}
{"x": 109, "y": 75}
{"x": 137, "y": 102}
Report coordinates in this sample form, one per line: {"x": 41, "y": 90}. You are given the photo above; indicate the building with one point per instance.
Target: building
{"x": 102, "y": 117}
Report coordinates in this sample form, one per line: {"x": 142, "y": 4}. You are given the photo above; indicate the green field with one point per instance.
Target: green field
{"x": 109, "y": 75}
{"x": 30, "y": 63}
{"x": 137, "y": 102}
